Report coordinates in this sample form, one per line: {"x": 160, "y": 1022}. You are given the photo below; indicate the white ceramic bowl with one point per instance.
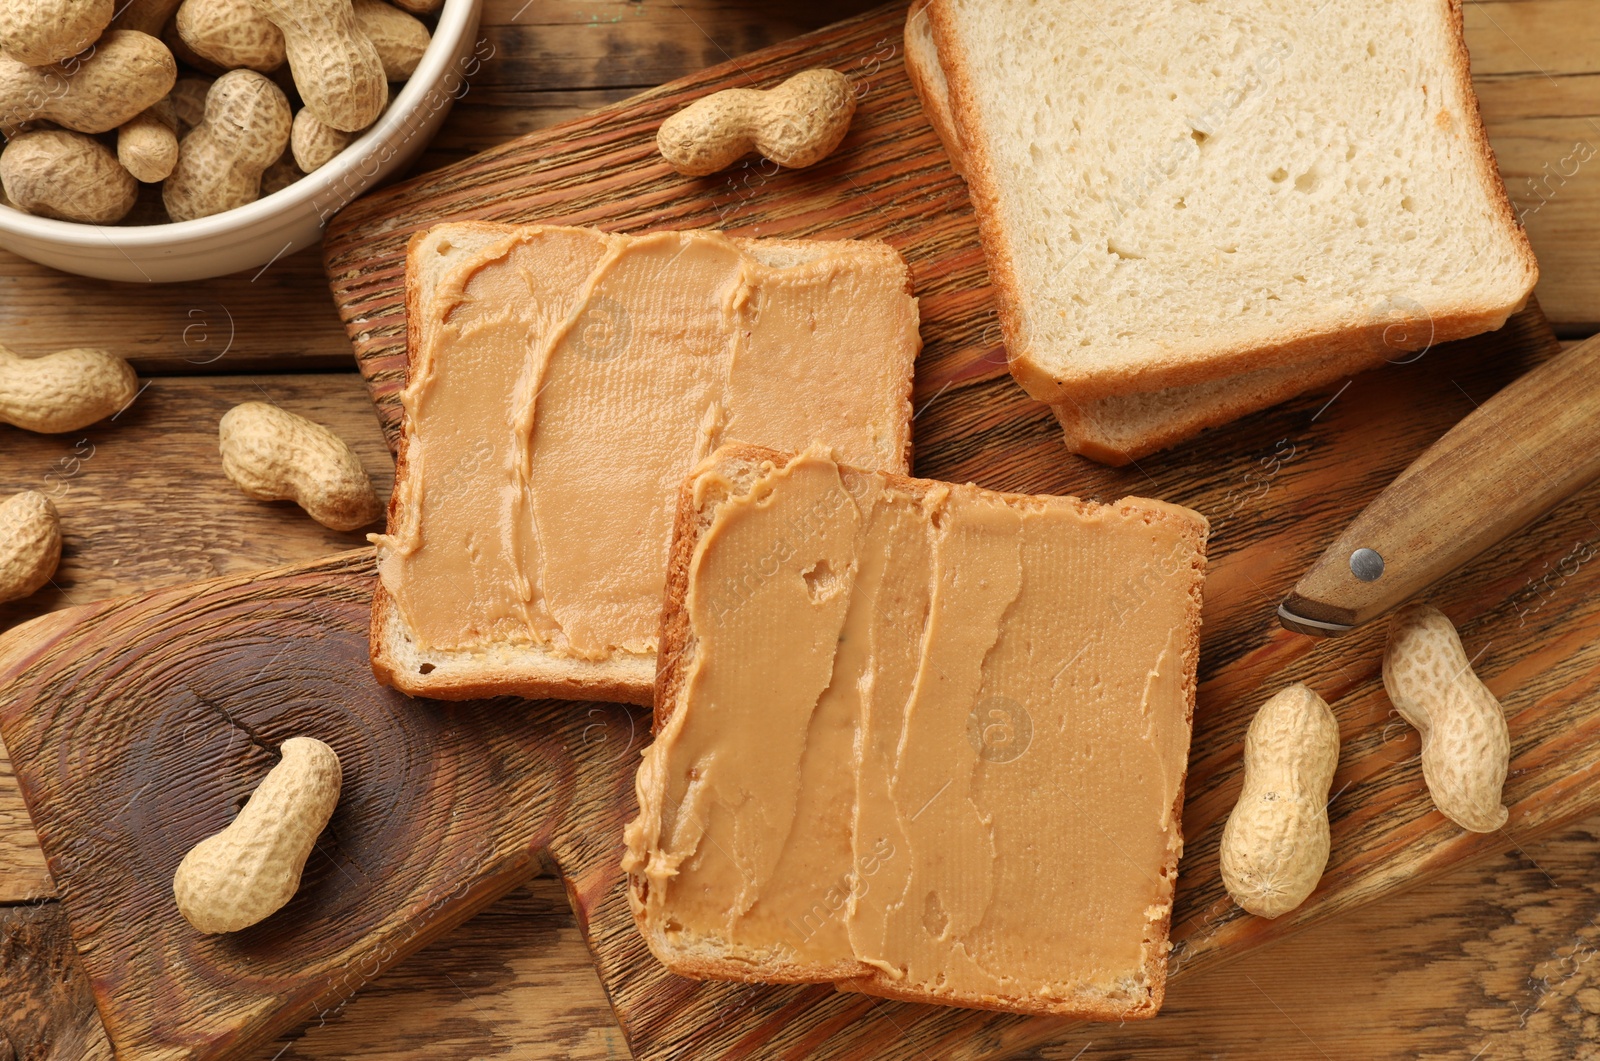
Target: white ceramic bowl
{"x": 281, "y": 223}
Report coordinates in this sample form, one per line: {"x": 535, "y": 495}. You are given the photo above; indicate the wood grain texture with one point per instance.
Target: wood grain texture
{"x": 890, "y": 180}
{"x": 49, "y": 1012}
{"x": 143, "y": 499}
{"x": 1275, "y": 486}
{"x": 145, "y": 505}
{"x": 1494, "y": 961}
{"x": 61, "y": 700}
{"x": 232, "y": 324}
{"x": 1533, "y": 63}
{"x": 147, "y": 741}
{"x": 23, "y": 877}
{"x": 1373, "y": 977}
{"x": 1519, "y": 454}
{"x": 553, "y": 60}
{"x": 514, "y": 982}
{"x": 1414, "y": 975}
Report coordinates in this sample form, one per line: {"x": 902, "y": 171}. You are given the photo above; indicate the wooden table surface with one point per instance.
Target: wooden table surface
{"x": 1489, "y": 962}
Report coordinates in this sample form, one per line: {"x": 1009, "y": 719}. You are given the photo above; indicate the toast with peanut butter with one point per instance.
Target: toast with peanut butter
{"x": 560, "y": 384}
{"x": 921, "y": 740}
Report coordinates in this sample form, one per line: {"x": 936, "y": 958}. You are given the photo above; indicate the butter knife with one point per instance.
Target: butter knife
{"x": 1513, "y": 459}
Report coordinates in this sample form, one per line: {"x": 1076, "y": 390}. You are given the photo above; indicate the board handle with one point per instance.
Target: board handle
{"x": 1513, "y": 459}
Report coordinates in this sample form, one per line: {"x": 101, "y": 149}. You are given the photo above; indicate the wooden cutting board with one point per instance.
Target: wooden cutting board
{"x": 135, "y": 726}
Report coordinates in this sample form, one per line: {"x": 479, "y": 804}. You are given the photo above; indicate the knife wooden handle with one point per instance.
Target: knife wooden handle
{"x": 1513, "y": 459}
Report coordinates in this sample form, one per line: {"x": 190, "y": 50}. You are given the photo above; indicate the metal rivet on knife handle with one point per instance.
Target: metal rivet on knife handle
{"x": 1366, "y": 565}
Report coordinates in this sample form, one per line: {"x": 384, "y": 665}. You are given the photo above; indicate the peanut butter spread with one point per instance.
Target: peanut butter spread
{"x": 928, "y": 737}
{"x": 564, "y": 381}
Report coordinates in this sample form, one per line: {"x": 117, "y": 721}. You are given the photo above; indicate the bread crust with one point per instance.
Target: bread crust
{"x": 1488, "y": 169}
{"x": 674, "y": 660}
{"x": 924, "y": 71}
{"x": 463, "y": 675}
{"x": 1084, "y": 437}
{"x": 1449, "y": 322}
{"x": 1084, "y": 434}
{"x": 673, "y": 639}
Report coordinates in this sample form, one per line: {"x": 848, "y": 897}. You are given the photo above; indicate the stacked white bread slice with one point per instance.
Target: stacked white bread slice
{"x": 560, "y": 384}
{"x": 1191, "y": 211}
{"x": 922, "y": 740}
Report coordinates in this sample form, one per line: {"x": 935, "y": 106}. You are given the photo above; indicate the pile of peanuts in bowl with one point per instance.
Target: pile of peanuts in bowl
{"x": 217, "y": 102}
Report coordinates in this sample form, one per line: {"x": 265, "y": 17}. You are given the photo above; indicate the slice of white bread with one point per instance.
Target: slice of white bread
{"x": 1123, "y": 428}
{"x": 923, "y": 740}
{"x": 1172, "y": 193}
{"x": 460, "y": 475}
